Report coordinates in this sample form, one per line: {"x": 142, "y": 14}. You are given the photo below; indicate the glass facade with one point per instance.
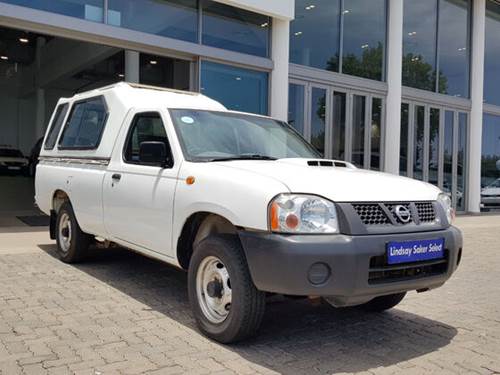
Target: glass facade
{"x": 171, "y": 18}
{"x": 490, "y": 162}
{"x": 492, "y": 54}
{"x": 316, "y": 32}
{"x": 90, "y": 10}
{"x": 364, "y": 38}
{"x": 223, "y": 26}
{"x": 461, "y": 160}
{"x": 358, "y": 130}
{"x": 296, "y": 98}
{"x": 164, "y": 72}
{"x": 237, "y": 88}
{"x": 403, "y": 154}
{"x": 339, "y": 125}
{"x": 438, "y": 138}
{"x": 235, "y": 29}
{"x": 434, "y": 146}
{"x": 454, "y": 18}
{"x": 318, "y": 119}
{"x": 436, "y": 46}
{"x": 448, "y": 152}
{"x": 419, "y": 44}
{"x": 376, "y": 133}
{"x": 418, "y": 142}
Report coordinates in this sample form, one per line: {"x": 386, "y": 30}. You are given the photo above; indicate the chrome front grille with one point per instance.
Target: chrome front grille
{"x": 372, "y": 214}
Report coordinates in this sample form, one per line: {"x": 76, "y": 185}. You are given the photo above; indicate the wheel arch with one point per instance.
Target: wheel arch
{"x": 197, "y": 227}
{"x": 59, "y": 197}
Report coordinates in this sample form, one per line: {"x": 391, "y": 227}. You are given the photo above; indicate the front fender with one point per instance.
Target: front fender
{"x": 240, "y": 197}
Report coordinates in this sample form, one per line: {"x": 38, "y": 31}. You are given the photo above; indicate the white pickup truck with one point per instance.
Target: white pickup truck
{"x": 242, "y": 202}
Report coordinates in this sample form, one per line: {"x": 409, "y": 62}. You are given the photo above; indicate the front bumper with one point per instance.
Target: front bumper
{"x": 282, "y": 264}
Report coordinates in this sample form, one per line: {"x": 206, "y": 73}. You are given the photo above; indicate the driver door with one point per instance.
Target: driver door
{"x": 139, "y": 198}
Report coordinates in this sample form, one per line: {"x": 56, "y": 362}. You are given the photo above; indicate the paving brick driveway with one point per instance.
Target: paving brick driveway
{"x": 123, "y": 313}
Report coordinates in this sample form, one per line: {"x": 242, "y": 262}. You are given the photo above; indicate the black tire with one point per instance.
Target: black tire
{"x": 73, "y": 247}
{"x": 247, "y": 304}
{"x": 383, "y": 303}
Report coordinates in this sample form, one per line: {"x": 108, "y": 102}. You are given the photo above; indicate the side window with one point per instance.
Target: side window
{"x": 85, "y": 125}
{"x": 145, "y": 127}
{"x": 55, "y": 127}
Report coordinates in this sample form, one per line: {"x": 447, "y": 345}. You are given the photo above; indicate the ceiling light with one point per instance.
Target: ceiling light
{"x": 462, "y": 49}
{"x": 24, "y": 40}
{"x": 121, "y": 75}
{"x": 412, "y": 33}
{"x": 265, "y": 24}
{"x": 416, "y": 58}
{"x": 238, "y": 78}
{"x": 310, "y": 7}
{"x": 297, "y": 33}
{"x": 4, "y": 57}
{"x": 153, "y": 62}
{"x": 365, "y": 46}
{"x": 347, "y": 11}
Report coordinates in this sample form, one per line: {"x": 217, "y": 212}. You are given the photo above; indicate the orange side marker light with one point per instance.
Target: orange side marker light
{"x": 190, "y": 180}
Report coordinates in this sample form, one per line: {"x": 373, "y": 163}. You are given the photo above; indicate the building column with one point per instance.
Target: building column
{"x": 476, "y": 114}
{"x": 40, "y": 92}
{"x": 132, "y": 66}
{"x": 279, "y": 76}
{"x": 394, "y": 83}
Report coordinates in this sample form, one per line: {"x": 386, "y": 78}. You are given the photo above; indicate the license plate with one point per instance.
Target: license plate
{"x": 14, "y": 168}
{"x": 415, "y": 251}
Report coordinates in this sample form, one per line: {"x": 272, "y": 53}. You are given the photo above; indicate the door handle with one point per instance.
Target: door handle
{"x": 116, "y": 177}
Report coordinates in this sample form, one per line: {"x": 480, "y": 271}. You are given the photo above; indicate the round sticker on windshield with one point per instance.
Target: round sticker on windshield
{"x": 187, "y": 120}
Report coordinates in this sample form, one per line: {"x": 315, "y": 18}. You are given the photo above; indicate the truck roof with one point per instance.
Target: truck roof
{"x": 139, "y": 95}
{"x": 122, "y": 97}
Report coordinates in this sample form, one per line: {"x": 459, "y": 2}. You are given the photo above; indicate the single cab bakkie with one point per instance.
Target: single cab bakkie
{"x": 241, "y": 202}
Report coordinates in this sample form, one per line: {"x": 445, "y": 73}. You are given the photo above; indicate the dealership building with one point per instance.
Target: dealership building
{"x": 403, "y": 86}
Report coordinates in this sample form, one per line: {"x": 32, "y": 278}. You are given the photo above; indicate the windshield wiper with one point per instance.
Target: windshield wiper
{"x": 245, "y": 157}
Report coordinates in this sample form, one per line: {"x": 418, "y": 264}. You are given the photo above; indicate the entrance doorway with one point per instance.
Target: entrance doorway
{"x": 342, "y": 124}
{"x": 35, "y": 71}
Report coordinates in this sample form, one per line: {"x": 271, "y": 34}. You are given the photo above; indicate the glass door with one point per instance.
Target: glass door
{"x": 341, "y": 124}
{"x": 433, "y": 147}
{"x": 319, "y": 108}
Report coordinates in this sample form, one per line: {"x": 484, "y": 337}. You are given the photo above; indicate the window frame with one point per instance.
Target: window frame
{"x": 51, "y": 128}
{"x": 131, "y": 127}
{"x": 65, "y": 128}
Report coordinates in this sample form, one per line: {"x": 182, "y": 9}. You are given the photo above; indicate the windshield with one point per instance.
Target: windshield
{"x": 212, "y": 136}
{"x": 8, "y": 152}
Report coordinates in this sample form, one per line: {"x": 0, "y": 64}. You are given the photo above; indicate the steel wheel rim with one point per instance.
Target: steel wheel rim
{"x": 65, "y": 232}
{"x": 215, "y": 308}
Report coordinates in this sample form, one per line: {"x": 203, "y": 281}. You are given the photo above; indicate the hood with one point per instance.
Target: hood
{"x": 337, "y": 183}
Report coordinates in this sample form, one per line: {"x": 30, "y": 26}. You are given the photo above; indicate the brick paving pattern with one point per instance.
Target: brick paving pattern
{"x": 121, "y": 313}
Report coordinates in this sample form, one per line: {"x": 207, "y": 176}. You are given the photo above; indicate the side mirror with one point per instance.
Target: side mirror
{"x": 153, "y": 153}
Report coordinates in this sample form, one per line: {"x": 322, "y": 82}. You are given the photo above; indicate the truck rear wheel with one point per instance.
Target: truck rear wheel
{"x": 72, "y": 243}
{"x": 226, "y": 304}
{"x": 383, "y": 303}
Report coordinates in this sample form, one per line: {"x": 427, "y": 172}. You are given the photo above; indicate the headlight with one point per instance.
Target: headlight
{"x": 445, "y": 201}
{"x": 298, "y": 213}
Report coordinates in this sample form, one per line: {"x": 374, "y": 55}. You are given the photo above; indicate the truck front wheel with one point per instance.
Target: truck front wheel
{"x": 72, "y": 243}
{"x": 226, "y": 304}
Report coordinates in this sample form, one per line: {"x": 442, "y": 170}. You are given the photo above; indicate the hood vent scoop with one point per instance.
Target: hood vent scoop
{"x": 329, "y": 163}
